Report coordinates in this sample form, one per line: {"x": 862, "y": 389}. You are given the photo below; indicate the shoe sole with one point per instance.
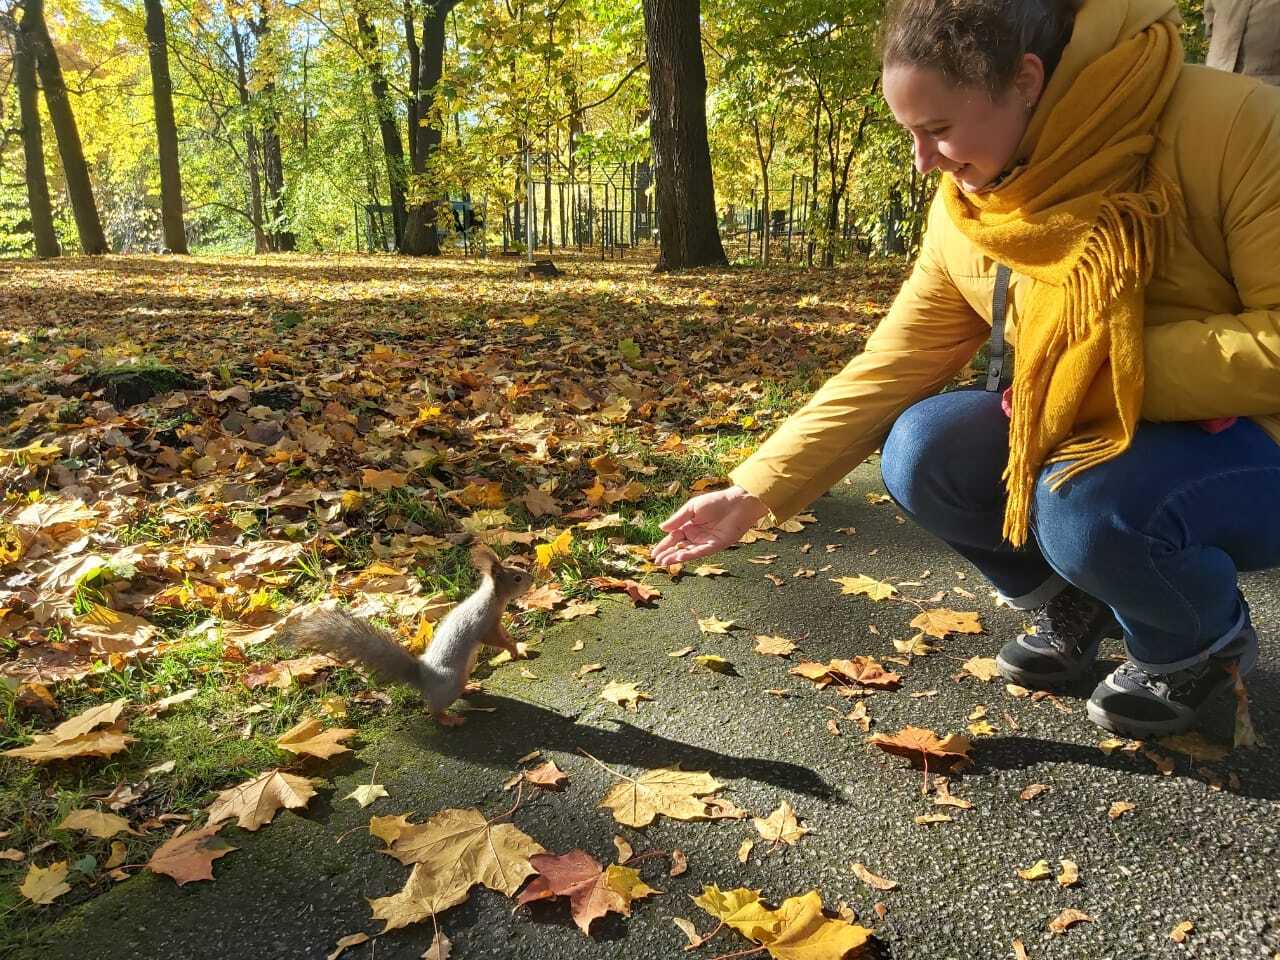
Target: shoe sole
{"x": 1137, "y": 729}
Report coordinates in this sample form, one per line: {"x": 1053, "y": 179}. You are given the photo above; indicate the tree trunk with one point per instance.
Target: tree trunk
{"x": 74, "y": 169}
{"x": 392, "y": 147}
{"x": 24, "y": 73}
{"x": 685, "y": 195}
{"x": 260, "y": 244}
{"x": 415, "y": 67}
{"x": 420, "y": 236}
{"x": 273, "y": 174}
{"x": 175, "y": 233}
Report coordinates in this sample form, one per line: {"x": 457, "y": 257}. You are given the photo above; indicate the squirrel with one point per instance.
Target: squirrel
{"x": 441, "y": 673}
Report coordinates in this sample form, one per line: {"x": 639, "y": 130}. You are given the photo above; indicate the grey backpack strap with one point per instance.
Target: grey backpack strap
{"x": 996, "y": 349}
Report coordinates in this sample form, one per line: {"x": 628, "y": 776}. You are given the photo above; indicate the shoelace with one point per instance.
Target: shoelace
{"x": 1161, "y": 684}
{"x": 1063, "y": 610}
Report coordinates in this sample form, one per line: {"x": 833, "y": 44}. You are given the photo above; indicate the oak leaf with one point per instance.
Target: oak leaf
{"x": 255, "y": 802}
{"x": 454, "y": 850}
{"x": 309, "y": 737}
{"x": 189, "y": 856}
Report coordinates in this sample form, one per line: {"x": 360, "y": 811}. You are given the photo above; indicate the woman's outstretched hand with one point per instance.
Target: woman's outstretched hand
{"x": 706, "y": 524}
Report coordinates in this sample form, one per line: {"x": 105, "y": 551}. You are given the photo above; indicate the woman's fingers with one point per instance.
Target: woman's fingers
{"x": 679, "y": 518}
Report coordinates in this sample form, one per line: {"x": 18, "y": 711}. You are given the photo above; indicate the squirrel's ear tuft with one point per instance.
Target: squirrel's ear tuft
{"x": 484, "y": 558}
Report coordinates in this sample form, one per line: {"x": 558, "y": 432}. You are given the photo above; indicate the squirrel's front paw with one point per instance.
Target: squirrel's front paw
{"x": 449, "y": 719}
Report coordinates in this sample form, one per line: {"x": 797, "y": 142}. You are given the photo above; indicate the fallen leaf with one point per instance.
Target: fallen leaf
{"x": 189, "y": 856}
{"x": 78, "y": 737}
{"x": 256, "y": 801}
{"x": 714, "y": 663}
{"x": 922, "y": 746}
{"x": 984, "y": 668}
{"x": 1019, "y": 951}
{"x": 440, "y": 948}
{"x": 95, "y": 823}
{"x": 1070, "y": 874}
{"x": 1245, "y": 735}
{"x": 1067, "y": 919}
{"x": 781, "y": 826}
{"x": 674, "y": 793}
{"x": 679, "y": 863}
{"x": 940, "y": 621}
{"x": 454, "y": 850}
{"x": 43, "y": 885}
{"x": 366, "y": 793}
{"x": 794, "y": 931}
{"x": 350, "y": 940}
{"x": 389, "y": 827}
{"x": 871, "y": 880}
{"x": 744, "y": 850}
{"x": 866, "y": 586}
{"x": 1038, "y": 871}
{"x": 587, "y": 668}
{"x": 1195, "y": 746}
{"x": 309, "y": 737}
{"x": 773, "y": 646}
{"x": 1179, "y": 933}
{"x": 714, "y": 625}
{"x": 592, "y": 891}
{"x": 14, "y": 854}
{"x": 623, "y": 694}
{"x": 1120, "y": 808}
{"x": 1033, "y": 791}
{"x": 547, "y": 776}
{"x": 683, "y": 651}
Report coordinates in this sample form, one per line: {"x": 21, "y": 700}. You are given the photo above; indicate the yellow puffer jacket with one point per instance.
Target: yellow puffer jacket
{"x": 1212, "y": 309}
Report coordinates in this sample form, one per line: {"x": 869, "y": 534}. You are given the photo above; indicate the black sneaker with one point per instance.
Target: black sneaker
{"x": 1135, "y": 703}
{"x": 1062, "y": 643}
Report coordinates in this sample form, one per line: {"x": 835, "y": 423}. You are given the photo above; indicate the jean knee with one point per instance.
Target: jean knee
{"x": 1076, "y": 529}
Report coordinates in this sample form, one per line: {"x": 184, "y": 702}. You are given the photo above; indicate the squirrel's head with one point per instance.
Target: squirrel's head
{"x": 511, "y": 581}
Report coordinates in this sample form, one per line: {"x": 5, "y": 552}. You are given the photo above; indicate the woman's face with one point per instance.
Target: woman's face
{"x": 963, "y": 130}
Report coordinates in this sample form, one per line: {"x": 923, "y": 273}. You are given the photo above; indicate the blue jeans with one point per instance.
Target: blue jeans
{"x": 1158, "y": 533}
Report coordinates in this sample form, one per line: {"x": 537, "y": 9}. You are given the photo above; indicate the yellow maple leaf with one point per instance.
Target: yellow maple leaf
{"x": 624, "y": 694}
{"x": 45, "y": 884}
{"x": 309, "y": 736}
{"x": 714, "y": 625}
{"x": 454, "y": 850}
{"x": 781, "y": 826}
{"x": 674, "y": 793}
{"x": 867, "y": 586}
{"x": 96, "y": 823}
{"x": 255, "y": 802}
{"x": 797, "y": 930}
{"x": 557, "y": 549}
{"x": 940, "y": 621}
{"x": 984, "y": 668}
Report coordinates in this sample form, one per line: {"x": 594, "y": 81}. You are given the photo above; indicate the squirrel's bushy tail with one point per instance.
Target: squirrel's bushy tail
{"x": 350, "y": 638}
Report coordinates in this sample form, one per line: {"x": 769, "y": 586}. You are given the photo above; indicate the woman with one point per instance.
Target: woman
{"x": 1134, "y": 466}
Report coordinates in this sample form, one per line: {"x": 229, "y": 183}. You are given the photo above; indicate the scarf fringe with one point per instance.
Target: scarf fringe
{"x": 1130, "y": 236}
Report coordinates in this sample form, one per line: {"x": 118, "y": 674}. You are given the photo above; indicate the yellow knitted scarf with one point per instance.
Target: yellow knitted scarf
{"x": 1086, "y": 220}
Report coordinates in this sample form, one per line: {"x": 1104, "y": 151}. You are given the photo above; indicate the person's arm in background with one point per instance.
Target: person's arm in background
{"x": 930, "y": 332}
{"x": 1228, "y": 365}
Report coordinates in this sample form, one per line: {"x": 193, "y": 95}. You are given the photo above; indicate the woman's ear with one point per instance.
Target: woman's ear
{"x": 1029, "y": 81}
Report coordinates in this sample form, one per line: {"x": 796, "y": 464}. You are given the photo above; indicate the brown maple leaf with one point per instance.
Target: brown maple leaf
{"x": 255, "y": 802}
{"x": 592, "y": 890}
{"x": 189, "y": 855}
{"x": 923, "y": 747}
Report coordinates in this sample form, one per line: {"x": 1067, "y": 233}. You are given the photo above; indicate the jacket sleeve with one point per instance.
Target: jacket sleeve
{"x": 930, "y": 332}
{"x": 1229, "y": 364}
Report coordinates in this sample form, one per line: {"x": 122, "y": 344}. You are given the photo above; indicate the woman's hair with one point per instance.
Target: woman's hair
{"x": 977, "y": 42}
